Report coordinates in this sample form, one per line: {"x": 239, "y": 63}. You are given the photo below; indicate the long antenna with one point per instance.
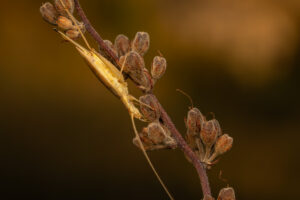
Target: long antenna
{"x": 188, "y": 96}
{"x": 76, "y": 24}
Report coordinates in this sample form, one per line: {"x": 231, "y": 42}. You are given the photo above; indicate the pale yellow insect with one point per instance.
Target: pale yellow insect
{"x": 113, "y": 79}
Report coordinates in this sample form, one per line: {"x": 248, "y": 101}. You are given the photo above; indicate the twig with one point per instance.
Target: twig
{"x": 164, "y": 116}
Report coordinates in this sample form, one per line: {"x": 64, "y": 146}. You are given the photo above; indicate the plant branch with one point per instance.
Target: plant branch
{"x": 164, "y": 116}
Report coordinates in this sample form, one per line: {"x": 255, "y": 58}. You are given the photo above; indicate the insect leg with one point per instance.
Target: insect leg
{"x": 148, "y": 159}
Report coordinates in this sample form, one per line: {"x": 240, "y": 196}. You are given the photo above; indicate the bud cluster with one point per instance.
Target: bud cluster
{"x": 205, "y": 136}
{"x": 155, "y": 135}
{"x": 131, "y": 59}
{"x": 57, "y": 15}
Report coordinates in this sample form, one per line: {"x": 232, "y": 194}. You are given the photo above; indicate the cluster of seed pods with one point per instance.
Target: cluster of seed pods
{"x": 155, "y": 135}
{"x": 130, "y": 57}
{"x": 205, "y": 137}
{"x": 58, "y": 16}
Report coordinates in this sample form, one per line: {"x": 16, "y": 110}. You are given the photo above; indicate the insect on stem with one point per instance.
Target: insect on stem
{"x": 113, "y": 79}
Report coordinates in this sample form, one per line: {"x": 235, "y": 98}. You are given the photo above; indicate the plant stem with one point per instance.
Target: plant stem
{"x": 164, "y": 116}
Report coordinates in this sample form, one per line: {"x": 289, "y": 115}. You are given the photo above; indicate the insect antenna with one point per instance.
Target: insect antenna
{"x": 76, "y": 24}
{"x": 148, "y": 159}
{"x": 188, "y": 96}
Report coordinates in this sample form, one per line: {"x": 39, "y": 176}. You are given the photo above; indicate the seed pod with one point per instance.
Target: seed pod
{"x": 208, "y": 197}
{"x": 64, "y": 23}
{"x": 223, "y": 144}
{"x": 144, "y": 138}
{"x": 208, "y": 133}
{"x": 149, "y": 107}
{"x": 122, "y": 45}
{"x": 226, "y": 194}
{"x": 141, "y": 43}
{"x": 159, "y": 67}
{"x": 208, "y": 136}
{"x": 69, "y": 4}
{"x": 134, "y": 66}
{"x": 49, "y": 13}
{"x": 156, "y": 133}
{"x": 194, "y": 121}
{"x": 217, "y": 127}
{"x": 73, "y": 34}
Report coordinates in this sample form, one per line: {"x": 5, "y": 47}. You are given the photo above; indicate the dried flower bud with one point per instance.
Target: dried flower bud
{"x": 69, "y": 4}
{"x": 64, "y": 23}
{"x": 223, "y": 144}
{"x": 134, "y": 66}
{"x": 159, "y": 67}
{"x": 141, "y": 43}
{"x": 194, "y": 121}
{"x": 226, "y": 194}
{"x": 208, "y": 197}
{"x": 144, "y": 138}
{"x": 217, "y": 127}
{"x": 49, "y": 13}
{"x": 73, "y": 34}
{"x": 208, "y": 133}
{"x": 150, "y": 112}
{"x": 156, "y": 133}
{"x": 122, "y": 45}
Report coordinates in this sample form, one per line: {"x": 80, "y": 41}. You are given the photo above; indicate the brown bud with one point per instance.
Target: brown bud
{"x": 217, "y": 127}
{"x": 64, "y": 23}
{"x": 122, "y": 45}
{"x": 134, "y": 66}
{"x": 208, "y": 133}
{"x": 134, "y": 63}
{"x": 144, "y": 139}
{"x": 226, "y": 194}
{"x": 150, "y": 107}
{"x": 73, "y": 34}
{"x": 69, "y": 4}
{"x": 141, "y": 43}
{"x": 208, "y": 197}
{"x": 159, "y": 67}
{"x": 223, "y": 144}
{"x": 194, "y": 121}
{"x": 156, "y": 133}
{"x": 49, "y": 13}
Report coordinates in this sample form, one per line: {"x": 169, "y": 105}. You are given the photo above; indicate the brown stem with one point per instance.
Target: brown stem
{"x": 164, "y": 116}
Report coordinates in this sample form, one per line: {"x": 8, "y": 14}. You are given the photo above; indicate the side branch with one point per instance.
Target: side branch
{"x": 187, "y": 150}
{"x": 164, "y": 116}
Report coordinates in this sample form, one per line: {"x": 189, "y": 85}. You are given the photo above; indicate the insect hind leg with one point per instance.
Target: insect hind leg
{"x": 148, "y": 159}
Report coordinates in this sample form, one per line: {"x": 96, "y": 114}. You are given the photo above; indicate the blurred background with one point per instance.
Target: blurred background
{"x": 64, "y": 136}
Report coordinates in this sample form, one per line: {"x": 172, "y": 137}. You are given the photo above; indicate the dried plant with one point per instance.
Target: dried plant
{"x": 204, "y": 138}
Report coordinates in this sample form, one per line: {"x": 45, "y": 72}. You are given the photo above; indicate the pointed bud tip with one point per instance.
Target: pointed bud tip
{"x": 226, "y": 194}
{"x": 141, "y": 43}
{"x": 159, "y": 67}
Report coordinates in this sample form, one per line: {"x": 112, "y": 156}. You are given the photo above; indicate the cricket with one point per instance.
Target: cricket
{"x": 113, "y": 79}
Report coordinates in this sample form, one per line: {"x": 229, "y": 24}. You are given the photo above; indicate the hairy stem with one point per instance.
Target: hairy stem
{"x": 164, "y": 116}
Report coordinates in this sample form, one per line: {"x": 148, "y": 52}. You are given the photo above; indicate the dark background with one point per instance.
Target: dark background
{"x": 64, "y": 136}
